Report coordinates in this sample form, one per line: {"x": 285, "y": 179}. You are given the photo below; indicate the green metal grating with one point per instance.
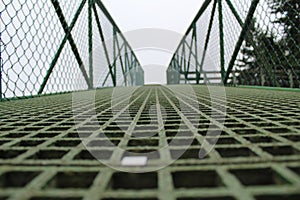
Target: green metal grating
{"x": 256, "y": 157}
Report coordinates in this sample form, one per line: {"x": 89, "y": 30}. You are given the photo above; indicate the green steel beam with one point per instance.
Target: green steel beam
{"x": 234, "y": 12}
{"x": 239, "y": 43}
{"x": 90, "y": 27}
{"x": 121, "y": 59}
{"x": 190, "y": 49}
{"x": 113, "y": 64}
{"x": 208, "y": 34}
{"x": 106, "y": 13}
{"x": 221, "y": 34}
{"x": 102, "y": 40}
{"x": 116, "y": 58}
{"x": 199, "y": 14}
{"x": 196, "y": 54}
{"x": 68, "y": 30}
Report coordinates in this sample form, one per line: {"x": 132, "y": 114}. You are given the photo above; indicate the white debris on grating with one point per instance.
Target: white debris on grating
{"x": 134, "y": 161}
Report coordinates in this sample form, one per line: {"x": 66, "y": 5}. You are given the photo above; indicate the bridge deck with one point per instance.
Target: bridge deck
{"x": 44, "y": 144}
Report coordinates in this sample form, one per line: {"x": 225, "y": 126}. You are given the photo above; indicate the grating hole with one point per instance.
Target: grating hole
{"x": 291, "y": 123}
{"x": 294, "y": 138}
{"x": 32, "y": 129}
{"x": 183, "y": 142}
{"x": 46, "y": 135}
{"x": 3, "y": 142}
{"x": 278, "y": 197}
{"x": 207, "y": 198}
{"x": 16, "y": 135}
{"x": 150, "y": 153}
{"x": 144, "y": 134}
{"x": 148, "y": 142}
{"x": 101, "y": 143}
{"x": 8, "y": 154}
{"x": 73, "y": 135}
{"x": 246, "y": 131}
{"x": 278, "y": 130}
{"x": 185, "y": 154}
{"x": 222, "y": 141}
{"x": 235, "y": 152}
{"x": 113, "y": 134}
{"x": 72, "y": 180}
{"x": 266, "y": 176}
{"x": 236, "y": 125}
{"x": 66, "y": 143}
{"x": 261, "y": 139}
{"x": 145, "y": 128}
{"x": 6, "y": 129}
{"x": 55, "y": 198}
{"x": 48, "y": 154}
{"x": 129, "y": 198}
{"x": 196, "y": 179}
{"x": 175, "y": 133}
{"x": 61, "y": 128}
{"x": 280, "y": 150}
{"x": 29, "y": 143}
{"x": 93, "y": 154}
{"x": 133, "y": 181}
{"x": 16, "y": 179}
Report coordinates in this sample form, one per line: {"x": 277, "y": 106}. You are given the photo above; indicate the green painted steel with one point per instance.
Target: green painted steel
{"x": 256, "y": 157}
{"x": 221, "y": 35}
{"x": 258, "y": 44}
{"x": 57, "y": 46}
{"x": 241, "y": 39}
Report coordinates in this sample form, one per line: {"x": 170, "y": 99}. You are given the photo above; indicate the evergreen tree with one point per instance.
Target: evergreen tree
{"x": 288, "y": 16}
{"x": 266, "y": 58}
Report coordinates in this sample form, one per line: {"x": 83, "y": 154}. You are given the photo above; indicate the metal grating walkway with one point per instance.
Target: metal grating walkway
{"x": 45, "y": 155}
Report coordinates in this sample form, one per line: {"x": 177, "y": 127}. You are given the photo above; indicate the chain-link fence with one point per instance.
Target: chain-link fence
{"x": 51, "y": 46}
{"x": 241, "y": 42}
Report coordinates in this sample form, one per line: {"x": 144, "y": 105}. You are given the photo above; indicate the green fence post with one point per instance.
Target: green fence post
{"x": 221, "y": 34}
{"x": 90, "y": 24}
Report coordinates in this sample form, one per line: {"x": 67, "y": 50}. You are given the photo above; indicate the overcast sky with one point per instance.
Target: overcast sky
{"x": 170, "y": 15}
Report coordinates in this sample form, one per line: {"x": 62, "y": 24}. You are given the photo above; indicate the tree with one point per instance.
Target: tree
{"x": 259, "y": 57}
{"x": 267, "y": 58}
{"x": 288, "y": 16}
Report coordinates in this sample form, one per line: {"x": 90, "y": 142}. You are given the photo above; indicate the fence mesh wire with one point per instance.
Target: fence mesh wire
{"x": 242, "y": 42}
{"x": 37, "y": 35}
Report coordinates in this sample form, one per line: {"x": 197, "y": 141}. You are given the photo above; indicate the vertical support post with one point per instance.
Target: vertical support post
{"x": 196, "y": 53}
{"x": 126, "y": 67}
{"x": 90, "y": 24}
{"x": 221, "y": 34}
{"x": 114, "y": 53}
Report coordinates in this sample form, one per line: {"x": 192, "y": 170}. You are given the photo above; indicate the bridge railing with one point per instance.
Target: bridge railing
{"x": 53, "y": 46}
{"x": 257, "y": 40}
